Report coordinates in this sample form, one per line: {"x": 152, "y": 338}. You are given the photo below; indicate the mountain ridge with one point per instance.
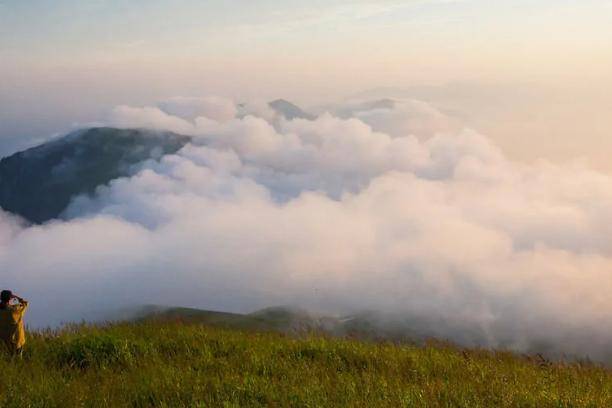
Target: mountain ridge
{"x": 38, "y": 183}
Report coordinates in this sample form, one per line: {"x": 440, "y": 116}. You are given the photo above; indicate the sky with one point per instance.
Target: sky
{"x": 534, "y": 75}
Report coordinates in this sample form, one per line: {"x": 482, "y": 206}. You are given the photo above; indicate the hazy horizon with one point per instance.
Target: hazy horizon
{"x": 534, "y": 75}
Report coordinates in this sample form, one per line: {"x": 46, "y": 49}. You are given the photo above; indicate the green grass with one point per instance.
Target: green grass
{"x": 172, "y": 365}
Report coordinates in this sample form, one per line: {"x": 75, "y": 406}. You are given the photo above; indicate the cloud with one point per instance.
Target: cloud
{"x": 401, "y": 117}
{"x": 212, "y": 107}
{"x": 430, "y": 224}
{"x": 150, "y": 118}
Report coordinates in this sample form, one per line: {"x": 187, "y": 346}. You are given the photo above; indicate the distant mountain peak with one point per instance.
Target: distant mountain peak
{"x": 289, "y": 110}
{"x": 39, "y": 183}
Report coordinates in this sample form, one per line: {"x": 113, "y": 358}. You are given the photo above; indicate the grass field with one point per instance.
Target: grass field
{"x": 171, "y": 364}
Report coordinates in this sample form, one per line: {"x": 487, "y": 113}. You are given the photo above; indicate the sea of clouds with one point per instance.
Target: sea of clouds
{"x": 384, "y": 206}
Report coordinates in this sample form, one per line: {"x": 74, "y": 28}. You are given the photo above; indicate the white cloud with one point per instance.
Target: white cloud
{"x": 403, "y": 117}
{"x": 149, "y": 118}
{"x": 212, "y": 107}
{"x": 337, "y": 215}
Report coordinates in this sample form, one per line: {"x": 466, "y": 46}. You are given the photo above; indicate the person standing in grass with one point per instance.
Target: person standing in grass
{"x": 12, "y": 332}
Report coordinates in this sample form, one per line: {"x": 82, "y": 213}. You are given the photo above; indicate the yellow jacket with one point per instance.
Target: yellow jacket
{"x": 12, "y": 332}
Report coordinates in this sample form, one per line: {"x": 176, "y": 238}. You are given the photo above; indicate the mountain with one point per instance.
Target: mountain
{"x": 365, "y": 325}
{"x": 282, "y": 319}
{"x": 38, "y": 183}
{"x": 289, "y": 111}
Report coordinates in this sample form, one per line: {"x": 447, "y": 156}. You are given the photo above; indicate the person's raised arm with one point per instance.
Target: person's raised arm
{"x": 21, "y": 301}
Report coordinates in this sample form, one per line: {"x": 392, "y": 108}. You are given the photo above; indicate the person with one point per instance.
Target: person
{"x": 12, "y": 332}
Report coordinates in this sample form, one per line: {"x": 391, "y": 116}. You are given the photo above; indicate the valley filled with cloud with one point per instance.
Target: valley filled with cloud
{"x": 389, "y": 206}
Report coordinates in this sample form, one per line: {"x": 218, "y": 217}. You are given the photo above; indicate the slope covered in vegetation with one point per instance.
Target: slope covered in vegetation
{"x": 162, "y": 363}
{"x": 38, "y": 183}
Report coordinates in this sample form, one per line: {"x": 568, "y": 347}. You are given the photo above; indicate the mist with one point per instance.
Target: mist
{"x": 394, "y": 207}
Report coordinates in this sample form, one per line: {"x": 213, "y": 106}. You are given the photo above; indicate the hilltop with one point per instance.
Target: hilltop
{"x": 38, "y": 183}
{"x": 367, "y": 325}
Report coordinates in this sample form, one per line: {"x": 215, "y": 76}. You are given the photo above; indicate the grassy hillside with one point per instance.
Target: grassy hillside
{"x": 281, "y": 319}
{"x": 165, "y": 363}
